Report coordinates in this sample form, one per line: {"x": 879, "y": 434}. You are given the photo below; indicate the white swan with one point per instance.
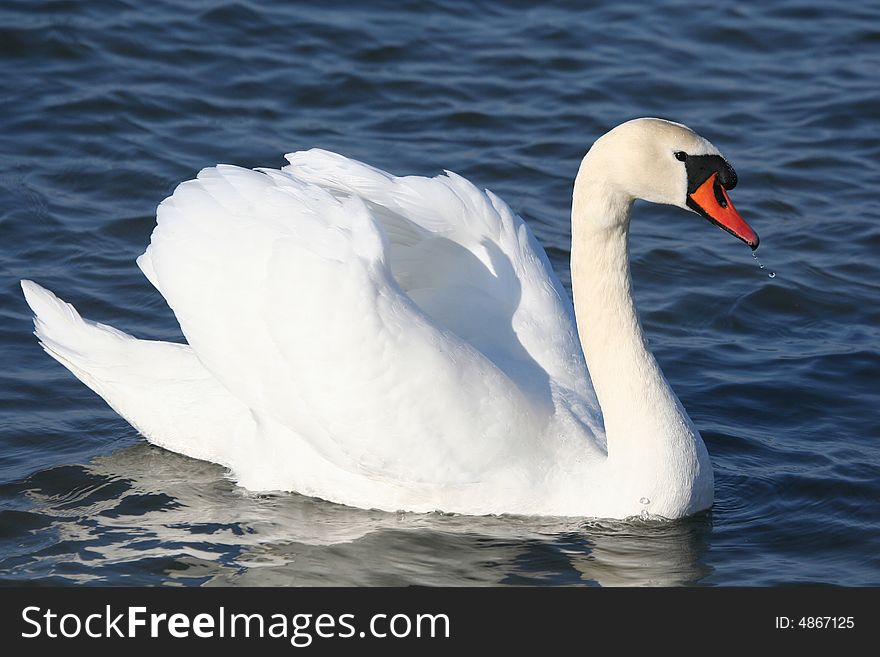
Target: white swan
{"x": 403, "y": 343}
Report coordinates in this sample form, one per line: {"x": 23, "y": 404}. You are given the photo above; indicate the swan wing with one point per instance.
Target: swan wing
{"x": 475, "y": 267}
{"x": 286, "y": 292}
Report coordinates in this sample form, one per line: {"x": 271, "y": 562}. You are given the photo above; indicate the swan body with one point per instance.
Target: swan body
{"x": 402, "y": 343}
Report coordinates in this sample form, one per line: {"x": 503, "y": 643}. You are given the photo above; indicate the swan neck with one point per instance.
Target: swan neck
{"x": 641, "y": 413}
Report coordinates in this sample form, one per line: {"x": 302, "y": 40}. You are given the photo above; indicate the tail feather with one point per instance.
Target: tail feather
{"x": 161, "y": 388}
{"x": 76, "y": 343}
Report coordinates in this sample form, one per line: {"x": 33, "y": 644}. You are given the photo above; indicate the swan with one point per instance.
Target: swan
{"x": 403, "y": 344}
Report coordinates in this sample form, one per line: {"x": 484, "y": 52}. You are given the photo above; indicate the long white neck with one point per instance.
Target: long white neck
{"x": 651, "y": 441}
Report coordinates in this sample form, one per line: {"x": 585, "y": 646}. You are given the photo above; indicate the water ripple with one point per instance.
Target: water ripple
{"x": 109, "y": 104}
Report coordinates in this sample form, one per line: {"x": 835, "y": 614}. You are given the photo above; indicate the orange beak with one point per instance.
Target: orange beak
{"x": 710, "y": 200}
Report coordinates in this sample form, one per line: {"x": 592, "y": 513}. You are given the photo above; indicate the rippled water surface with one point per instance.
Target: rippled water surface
{"x": 106, "y": 105}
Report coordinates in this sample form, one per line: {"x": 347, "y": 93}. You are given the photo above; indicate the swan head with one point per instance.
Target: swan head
{"x": 665, "y": 162}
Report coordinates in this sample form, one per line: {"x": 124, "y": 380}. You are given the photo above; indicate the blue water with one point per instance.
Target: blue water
{"x": 107, "y": 105}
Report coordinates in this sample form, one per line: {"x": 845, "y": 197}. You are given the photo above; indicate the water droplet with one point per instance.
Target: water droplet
{"x": 644, "y": 500}
{"x": 772, "y": 274}
{"x": 755, "y": 256}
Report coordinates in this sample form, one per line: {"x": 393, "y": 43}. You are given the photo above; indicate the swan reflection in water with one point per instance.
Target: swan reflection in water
{"x": 143, "y": 511}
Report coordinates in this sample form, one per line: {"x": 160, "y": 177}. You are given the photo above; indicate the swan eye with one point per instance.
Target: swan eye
{"x": 681, "y": 156}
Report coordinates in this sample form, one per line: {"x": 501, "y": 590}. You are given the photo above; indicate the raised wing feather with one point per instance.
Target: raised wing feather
{"x": 465, "y": 258}
{"x": 287, "y": 294}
